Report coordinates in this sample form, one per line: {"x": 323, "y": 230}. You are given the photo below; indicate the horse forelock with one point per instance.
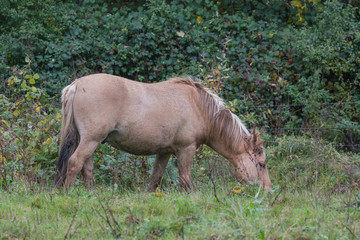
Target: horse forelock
{"x": 222, "y": 122}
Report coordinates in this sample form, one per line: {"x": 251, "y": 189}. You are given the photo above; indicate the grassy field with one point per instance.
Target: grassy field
{"x": 316, "y": 195}
{"x": 32, "y": 212}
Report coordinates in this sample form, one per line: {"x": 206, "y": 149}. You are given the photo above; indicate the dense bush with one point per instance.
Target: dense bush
{"x": 255, "y": 53}
{"x": 29, "y": 130}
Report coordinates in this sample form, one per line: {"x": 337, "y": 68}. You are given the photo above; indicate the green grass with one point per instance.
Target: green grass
{"x": 318, "y": 198}
{"x": 105, "y": 213}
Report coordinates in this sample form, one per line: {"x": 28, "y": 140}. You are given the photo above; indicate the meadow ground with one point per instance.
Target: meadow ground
{"x": 35, "y": 212}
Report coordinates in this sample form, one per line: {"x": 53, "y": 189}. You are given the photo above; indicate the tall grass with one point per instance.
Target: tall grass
{"x": 108, "y": 213}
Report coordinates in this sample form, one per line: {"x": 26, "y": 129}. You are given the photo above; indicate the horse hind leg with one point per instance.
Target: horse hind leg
{"x": 87, "y": 172}
{"x": 158, "y": 171}
{"x": 81, "y": 159}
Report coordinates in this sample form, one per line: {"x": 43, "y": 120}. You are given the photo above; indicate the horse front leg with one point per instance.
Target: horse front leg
{"x": 77, "y": 161}
{"x": 158, "y": 171}
{"x": 185, "y": 158}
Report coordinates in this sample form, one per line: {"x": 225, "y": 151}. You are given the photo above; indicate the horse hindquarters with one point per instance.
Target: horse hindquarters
{"x": 70, "y": 138}
{"x": 75, "y": 150}
{"x": 81, "y": 159}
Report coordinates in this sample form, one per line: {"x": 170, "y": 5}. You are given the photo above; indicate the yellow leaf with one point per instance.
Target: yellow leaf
{"x": 38, "y": 109}
{"x": 6, "y": 123}
{"x": 199, "y": 19}
{"x": 16, "y": 113}
{"x": 237, "y": 190}
{"x": 43, "y": 121}
{"x": 3, "y": 159}
{"x": 296, "y": 3}
{"x": 269, "y": 111}
{"x": 158, "y": 193}
{"x": 12, "y": 80}
{"x": 48, "y": 141}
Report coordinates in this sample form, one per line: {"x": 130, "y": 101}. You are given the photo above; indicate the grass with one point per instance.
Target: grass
{"x": 105, "y": 213}
{"x": 318, "y": 197}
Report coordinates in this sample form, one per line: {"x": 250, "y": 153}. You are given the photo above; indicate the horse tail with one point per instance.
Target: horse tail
{"x": 70, "y": 137}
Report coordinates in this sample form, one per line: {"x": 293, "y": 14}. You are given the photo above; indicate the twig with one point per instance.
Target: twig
{"x": 214, "y": 185}
{"x": 116, "y": 233}
{"x": 276, "y": 197}
{"x": 185, "y": 221}
{"x": 112, "y": 215}
{"x": 98, "y": 213}
{"x": 71, "y": 223}
{"x": 351, "y": 232}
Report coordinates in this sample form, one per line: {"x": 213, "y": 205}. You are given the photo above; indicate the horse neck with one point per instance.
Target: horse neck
{"x": 224, "y": 150}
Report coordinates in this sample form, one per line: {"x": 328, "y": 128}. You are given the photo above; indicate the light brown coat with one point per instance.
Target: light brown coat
{"x": 170, "y": 117}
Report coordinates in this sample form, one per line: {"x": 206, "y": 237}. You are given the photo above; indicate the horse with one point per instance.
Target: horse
{"x": 172, "y": 117}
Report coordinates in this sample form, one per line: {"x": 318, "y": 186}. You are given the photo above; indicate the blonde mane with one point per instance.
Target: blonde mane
{"x": 222, "y": 122}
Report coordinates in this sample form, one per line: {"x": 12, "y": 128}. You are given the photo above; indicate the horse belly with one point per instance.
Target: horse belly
{"x": 139, "y": 143}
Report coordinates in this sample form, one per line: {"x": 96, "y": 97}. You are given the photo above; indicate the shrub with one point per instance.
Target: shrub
{"x": 29, "y": 129}
{"x": 303, "y": 162}
{"x": 261, "y": 53}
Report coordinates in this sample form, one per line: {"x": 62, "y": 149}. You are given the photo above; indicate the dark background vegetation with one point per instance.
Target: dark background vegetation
{"x": 284, "y": 66}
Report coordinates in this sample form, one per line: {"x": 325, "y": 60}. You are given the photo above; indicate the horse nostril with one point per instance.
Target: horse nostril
{"x": 262, "y": 165}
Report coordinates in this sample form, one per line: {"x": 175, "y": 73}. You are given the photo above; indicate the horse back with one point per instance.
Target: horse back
{"x": 137, "y": 117}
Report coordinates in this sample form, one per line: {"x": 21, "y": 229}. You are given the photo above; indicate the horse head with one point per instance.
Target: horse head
{"x": 251, "y": 162}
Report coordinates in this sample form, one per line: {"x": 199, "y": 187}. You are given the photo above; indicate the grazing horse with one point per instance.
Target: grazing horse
{"x": 171, "y": 117}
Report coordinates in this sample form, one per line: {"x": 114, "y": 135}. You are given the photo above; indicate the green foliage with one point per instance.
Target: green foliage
{"x": 328, "y": 56}
{"x": 29, "y": 129}
{"x": 258, "y": 53}
{"x": 304, "y": 162}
